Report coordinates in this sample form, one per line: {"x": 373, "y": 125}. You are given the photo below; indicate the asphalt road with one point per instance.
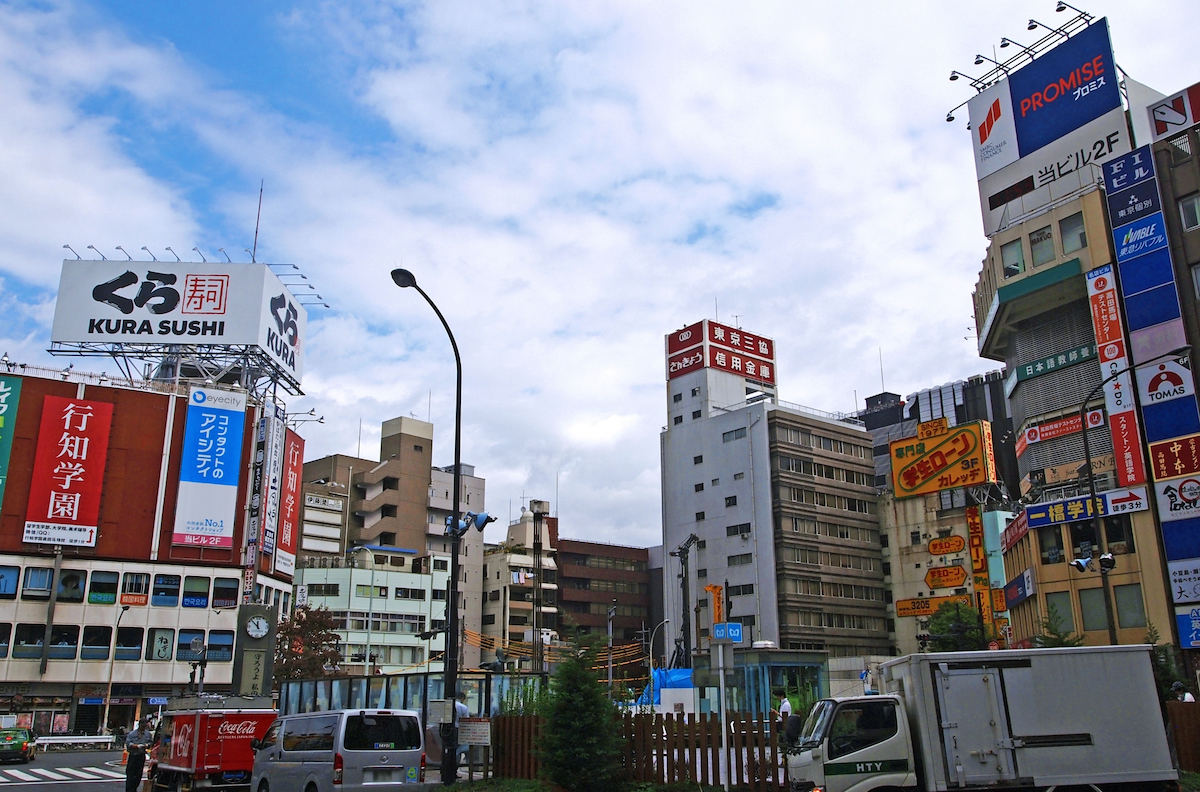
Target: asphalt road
{"x": 60, "y": 771}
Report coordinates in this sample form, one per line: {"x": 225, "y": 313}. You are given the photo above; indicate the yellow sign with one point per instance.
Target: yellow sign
{"x": 935, "y": 428}
{"x": 960, "y": 458}
{"x": 947, "y": 545}
{"x": 946, "y": 577}
{"x": 983, "y": 601}
{"x": 999, "y": 604}
{"x": 927, "y": 607}
{"x": 979, "y": 560}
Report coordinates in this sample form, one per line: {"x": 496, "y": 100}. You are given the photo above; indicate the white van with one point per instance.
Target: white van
{"x": 339, "y": 750}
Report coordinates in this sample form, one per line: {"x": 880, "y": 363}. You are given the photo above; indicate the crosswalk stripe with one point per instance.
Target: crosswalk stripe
{"x": 53, "y": 776}
{"x": 105, "y": 772}
{"x": 20, "y": 776}
{"x": 78, "y": 773}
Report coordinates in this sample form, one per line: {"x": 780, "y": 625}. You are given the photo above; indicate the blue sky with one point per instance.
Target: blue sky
{"x": 569, "y": 181}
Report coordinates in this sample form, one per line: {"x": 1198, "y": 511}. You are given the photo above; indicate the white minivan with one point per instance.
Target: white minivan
{"x": 339, "y": 750}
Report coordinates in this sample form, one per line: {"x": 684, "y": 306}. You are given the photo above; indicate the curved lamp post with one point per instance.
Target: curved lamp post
{"x": 112, "y": 661}
{"x": 653, "y": 634}
{"x": 406, "y": 280}
{"x": 1101, "y": 526}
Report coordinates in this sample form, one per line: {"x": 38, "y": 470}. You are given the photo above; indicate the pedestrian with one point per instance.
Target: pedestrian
{"x": 1181, "y": 692}
{"x": 460, "y": 711}
{"x": 784, "y": 711}
{"x": 137, "y": 742}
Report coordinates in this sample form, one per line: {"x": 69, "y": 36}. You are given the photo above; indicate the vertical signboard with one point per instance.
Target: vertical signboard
{"x": 10, "y": 396}
{"x": 289, "y": 504}
{"x": 208, "y": 472}
{"x": 68, "y": 472}
{"x": 254, "y": 512}
{"x": 272, "y": 473}
{"x": 1118, "y": 393}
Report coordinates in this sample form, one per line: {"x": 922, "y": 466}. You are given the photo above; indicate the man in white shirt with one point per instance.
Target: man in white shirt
{"x": 1181, "y": 692}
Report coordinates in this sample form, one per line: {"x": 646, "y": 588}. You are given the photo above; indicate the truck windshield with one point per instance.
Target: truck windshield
{"x": 818, "y": 720}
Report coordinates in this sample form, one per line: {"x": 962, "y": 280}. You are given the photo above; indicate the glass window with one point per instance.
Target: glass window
{"x": 96, "y": 642}
{"x": 28, "y": 640}
{"x": 1072, "y": 233}
{"x": 159, "y": 644}
{"x": 71, "y": 584}
{"x": 184, "y": 649}
{"x": 382, "y": 732}
{"x": 129, "y": 643}
{"x": 9, "y": 575}
{"x": 1050, "y": 539}
{"x": 1083, "y": 539}
{"x": 5, "y": 634}
{"x": 860, "y": 725}
{"x": 64, "y": 641}
{"x": 1091, "y": 605}
{"x": 1120, "y": 534}
{"x": 731, "y": 501}
{"x": 309, "y": 734}
{"x": 1061, "y": 602}
{"x": 678, "y": 397}
{"x": 37, "y": 583}
{"x": 1189, "y": 212}
{"x": 226, "y": 592}
{"x": 1012, "y": 256}
{"x": 1041, "y": 246}
{"x": 195, "y": 592}
{"x": 103, "y": 590}
{"x": 135, "y": 588}
{"x": 166, "y": 591}
{"x": 1131, "y": 611}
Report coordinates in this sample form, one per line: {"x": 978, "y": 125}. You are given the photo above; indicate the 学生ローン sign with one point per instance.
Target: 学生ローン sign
{"x": 961, "y": 457}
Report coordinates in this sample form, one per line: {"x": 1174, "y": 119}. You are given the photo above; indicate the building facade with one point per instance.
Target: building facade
{"x": 521, "y": 589}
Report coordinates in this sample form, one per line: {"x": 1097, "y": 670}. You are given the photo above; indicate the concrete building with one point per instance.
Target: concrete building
{"x": 593, "y": 576}
{"x": 511, "y": 568}
{"x": 780, "y": 500}
{"x": 398, "y": 504}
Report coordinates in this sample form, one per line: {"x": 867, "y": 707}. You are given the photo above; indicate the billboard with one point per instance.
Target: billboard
{"x": 1019, "y": 589}
{"x": 209, "y": 468}
{"x": 961, "y": 457}
{"x": 289, "y": 503}
{"x": 68, "y": 472}
{"x": 927, "y": 606}
{"x": 709, "y": 344}
{"x": 273, "y": 434}
{"x": 207, "y": 304}
{"x": 1079, "y": 507}
{"x": 1059, "y": 427}
{"x": 1035, "y": 133}
{"x": 1174, "y": 114}
{"x": 10, "y": 397}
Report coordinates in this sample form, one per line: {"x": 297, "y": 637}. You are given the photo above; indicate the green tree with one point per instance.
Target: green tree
{"x": 580, "y": 742}
{"x": 1052, "y": 633}
{"x": 305, "y": 644}
{"x": 1165, "y": 666}
{"x": 955, "y": 627}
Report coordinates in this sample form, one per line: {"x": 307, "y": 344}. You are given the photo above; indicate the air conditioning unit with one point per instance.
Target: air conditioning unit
{"x": 324, "y": 563}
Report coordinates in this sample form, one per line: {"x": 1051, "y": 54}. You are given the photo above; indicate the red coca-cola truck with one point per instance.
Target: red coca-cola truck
{"x": 203, "y": 742}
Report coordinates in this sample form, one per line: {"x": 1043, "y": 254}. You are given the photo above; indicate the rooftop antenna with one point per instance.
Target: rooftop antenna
{"x": 882, "y": 387}
{"x": 556, "y": 494}
{"x": 257, "y": 221}
{"x": 429, "y": 409}
{"x": 359, "y": 453}
{"x": 716, "y": 310}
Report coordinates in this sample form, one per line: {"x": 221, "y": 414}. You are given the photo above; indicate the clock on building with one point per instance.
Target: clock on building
{"x": 257, "y": 627}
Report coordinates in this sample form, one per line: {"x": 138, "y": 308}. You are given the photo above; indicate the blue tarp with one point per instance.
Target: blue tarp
{"x": 665, "y": 678}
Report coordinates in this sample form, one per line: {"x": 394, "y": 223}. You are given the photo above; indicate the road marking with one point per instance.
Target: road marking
{"x": 53, "y": 776}
{"x": 78, "y": 773}
{"x": 20, "y": 776}
{"x": 102, "y": 771}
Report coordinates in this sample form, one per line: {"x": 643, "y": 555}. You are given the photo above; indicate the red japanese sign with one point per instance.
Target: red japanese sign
{"x": 1057, "y": 428}
{"x": 741, "y": 341}
{"x": 979, "y": 564}
{"x": 1176, "y": 457}
{"x": 1118, "y": 392}
{"x": 688, "y": 337}
{"x": 68, "y": 472}
{"x": 748, "y": 367}
{"x": 685, "y": 363}
{"x": 1131, "y": 468}
{"x": 289, "y": 503}
{"x": 1013, "y": 533}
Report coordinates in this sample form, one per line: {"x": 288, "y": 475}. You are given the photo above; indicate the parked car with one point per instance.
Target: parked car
{"x": 341, "y": 749}
{"x": 18, "y": 744}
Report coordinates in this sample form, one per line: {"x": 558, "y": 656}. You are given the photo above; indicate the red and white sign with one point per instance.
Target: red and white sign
{"x": 1013, "y": 533}
{"x": 688, "y": 337}
{"x": 708, "y": 344}
{"x": 1057, "y": 428}
{"x": 289, "y": 504}
{"x": 740, "y": 340}
{"x": 685, "y": 363}
{"x": 1174, "y": 114}
{"x": 1118, "y": 393}
{"x": 68, "y": 472}
{"x": 748, "y": 367}
{"x": 1165, "y": 381}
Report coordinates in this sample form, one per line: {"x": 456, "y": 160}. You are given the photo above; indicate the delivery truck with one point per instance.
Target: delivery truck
{"x": 203, "y": 742}
{"x": 1020, "y": 719}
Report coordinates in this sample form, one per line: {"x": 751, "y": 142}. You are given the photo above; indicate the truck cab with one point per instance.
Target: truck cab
{"x": 851, "y": 745}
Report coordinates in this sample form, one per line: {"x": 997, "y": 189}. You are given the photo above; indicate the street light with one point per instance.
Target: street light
{"x": 405, "y": 280}
{"x": 1106, "y": 564}
{"x": 111, "y": 662}
{"x": 653, "y": 633}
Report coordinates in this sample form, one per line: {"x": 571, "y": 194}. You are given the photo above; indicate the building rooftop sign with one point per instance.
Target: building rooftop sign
{"x": 709, "y": 344}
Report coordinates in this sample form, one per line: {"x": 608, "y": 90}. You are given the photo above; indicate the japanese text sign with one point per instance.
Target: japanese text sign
{"x": 947, "y": 545}
{"x": 1118, "y": 392}
{"x": 1015, "y": 531}
{"x": 210, "y": 468}
{"x": 1177, "y": 457}
{"x": 961, "y": 457}
{"x": 709, "y": 344}
{"x": 979, "y": 562}
{"x": 289, "y": 504}
{"x": 927, "y": 606}
{"x": 10, "y": 396}
{"x": 946, "y": 577}
{"x": 1080, "y": 507}
{"x": 748, "y": 367}
{"x": 1019, "y": 589}
{"x": 68, "y": 472}
{"x": 1185, "y": 580}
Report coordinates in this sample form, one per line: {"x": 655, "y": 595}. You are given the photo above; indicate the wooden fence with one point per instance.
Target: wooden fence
{"x": 1185, "y": 729}
{"x": 664, "y": 749}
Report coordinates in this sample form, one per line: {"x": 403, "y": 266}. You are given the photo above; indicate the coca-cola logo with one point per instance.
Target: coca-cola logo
{"x": 244, "y": 728}
{"x": 182, "y": 740}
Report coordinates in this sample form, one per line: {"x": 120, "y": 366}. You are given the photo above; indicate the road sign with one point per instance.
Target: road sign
{"x": 727, "y": 631}
{"x": 946, "y": 577}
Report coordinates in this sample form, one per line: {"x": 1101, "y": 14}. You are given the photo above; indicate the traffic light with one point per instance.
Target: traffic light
{"x": 923, "y": 639}
{"x": 1107, "y": 562}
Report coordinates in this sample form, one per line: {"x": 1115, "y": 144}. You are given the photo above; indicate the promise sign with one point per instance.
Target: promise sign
{"x": 68, "y": 472}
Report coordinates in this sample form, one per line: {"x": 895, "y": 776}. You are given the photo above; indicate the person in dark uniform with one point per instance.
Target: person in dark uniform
{"x": 137, "y": 743}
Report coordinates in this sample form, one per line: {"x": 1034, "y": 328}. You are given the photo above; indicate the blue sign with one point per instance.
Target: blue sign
{"x": 1140, "y": 237}
{"x": 91, "y": 700}
{"x": 1065, "y": 88}
{"x": 1019, "y": 589}
{"x": 158, "y": 702}
{"x": 1146, "y": 272}
{"x": 212, "y": 440}
{"x": 1134, "y": 203}
{"x": 1189, "y": 628}
{"x": 1128, "y": 170}
{"x": 731, "y": 631}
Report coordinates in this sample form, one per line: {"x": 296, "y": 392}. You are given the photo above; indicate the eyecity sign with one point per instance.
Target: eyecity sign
{"x": 156, "y": 302}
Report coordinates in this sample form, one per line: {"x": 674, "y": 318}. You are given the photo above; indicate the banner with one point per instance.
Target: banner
{"x": 68, "y": 472}
{"x": 289, "y": 505}
{"x": 209, "y": 469}
{"x": 254, "y": 513}
{"x": 10, "y": 397}
{"x": 275, "y": 427}
{"x": 1080, "y": 507}
{"x": 962, "y": 457}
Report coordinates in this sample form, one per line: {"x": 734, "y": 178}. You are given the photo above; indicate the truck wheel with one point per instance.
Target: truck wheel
{"x": 264, "y": 787}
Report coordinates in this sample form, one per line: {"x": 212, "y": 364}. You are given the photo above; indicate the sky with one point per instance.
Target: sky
{"x": 568, "y": 181}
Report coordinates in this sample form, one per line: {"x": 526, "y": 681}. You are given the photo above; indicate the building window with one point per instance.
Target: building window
{"x": 731, "y": 501}
{"x": 678, "y": 397}
{"x": 701, "y": 573}
{"x": 166, "y": 590}
{"x": 887, "y": 568}
{"x": 699, "y": 487}
{"x": 696, "y": 460}
{"x": 64, "y": 641}
{"x": 736, "y": 434}
{"x": 365, "y": 591}
{"x": 695, "y": 414}
{"x": 695, "y": 392}
{"x": 227, "y": 591}
{"x": 739, "y": 591}
{"x": 37, "y": 583}
{"x": 737, "y": 530}
{"x": 135, "y": 588}
{"x": 489, "y": 619}
{"x": 129, "y": 644}
{"x": 883, "y": 540}
{"x": 1091, "y": 606}
{"x": 5, "y": 635}
{"x": 419, "y": 449}
{"x": 71, "y": 585}
{"x": 1120, "y": 534}
{"x": 9, "y": 577}
{"x": 739, "y": 476}
{"x": 316, "y": 589}
{"x": 493, "y": 596}
{"x": 440, "y": 565}
{"x": 195, "y": 592}
{"x": 183, "y": 650}
{"x": 699, "y": 516}
{"x": 1072, "y": 233}
{"x": 1189, "y": 212}
{"x": 914, "y": 538}
{"x": 1131, "y": 611}
{"x": 220, "y": 646}
{"x": 740, "y": 560}
{"x": 1041, "y": 246}
{"x": 678, "y": 420}
{"x": 702, "y": 602}
{"x": 103, "y": 590}
{"x": 1012, "y": 256}
{"x": 1050, "y": 540}
{"x": 703, "y": 543}
{"x": 159, "y": 644}
{"x": 438, "y": 594}
{"x": 96, "y": 643}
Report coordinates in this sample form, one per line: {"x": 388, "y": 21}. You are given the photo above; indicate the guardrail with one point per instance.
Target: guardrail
{"x": 76, "y": 742}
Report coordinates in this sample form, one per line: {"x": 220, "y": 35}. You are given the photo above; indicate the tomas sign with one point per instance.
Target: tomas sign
{"x": 137, "y": 303}
{"x": 961, "y": 457}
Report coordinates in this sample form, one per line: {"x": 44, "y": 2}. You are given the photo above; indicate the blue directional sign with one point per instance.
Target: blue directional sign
{"x": 727, "y": 631}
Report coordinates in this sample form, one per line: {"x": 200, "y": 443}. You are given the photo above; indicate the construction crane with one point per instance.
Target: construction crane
{"x": 682, "y": 658}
